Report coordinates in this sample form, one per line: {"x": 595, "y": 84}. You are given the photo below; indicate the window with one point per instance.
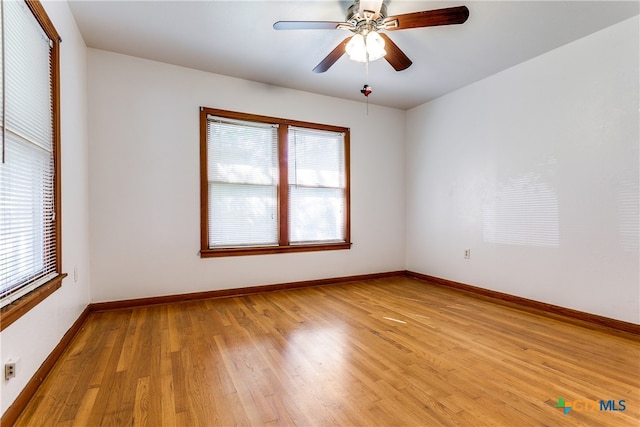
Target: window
{"x": 29, "y": 165}
{"x": 272, "y": 185}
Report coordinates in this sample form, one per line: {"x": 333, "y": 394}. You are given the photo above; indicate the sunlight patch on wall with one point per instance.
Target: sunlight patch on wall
{"x": 524, "y": 212}
{"x": 629, "y": 216}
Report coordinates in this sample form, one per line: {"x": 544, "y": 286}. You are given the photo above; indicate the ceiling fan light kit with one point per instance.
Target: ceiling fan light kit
{"x": 367, "y": 44}
{"x": 366, "y": 48}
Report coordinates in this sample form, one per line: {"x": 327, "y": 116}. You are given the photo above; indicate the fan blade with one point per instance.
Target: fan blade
{"x": 396, "y": 57}
{"x": 333, "y": 56}
{"x": 306, "y": 25}
{"x": 427, "y": 18}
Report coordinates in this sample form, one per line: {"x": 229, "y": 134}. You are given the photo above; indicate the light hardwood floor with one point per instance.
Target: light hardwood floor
{"x": 392, "y": 351}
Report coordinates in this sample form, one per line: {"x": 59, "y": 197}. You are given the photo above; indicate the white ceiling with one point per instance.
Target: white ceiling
{"x": 236, "y": 38}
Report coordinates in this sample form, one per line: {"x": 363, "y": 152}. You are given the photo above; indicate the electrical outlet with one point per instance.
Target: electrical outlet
{"x": 75, "y": 273}
{"x": 467, "y": 254}
{"x": 9, "y": 370}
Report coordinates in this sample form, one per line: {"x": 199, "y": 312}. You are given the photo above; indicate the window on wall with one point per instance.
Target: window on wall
{"x": 29, "y": 164}
{"x": 271, "y": 185}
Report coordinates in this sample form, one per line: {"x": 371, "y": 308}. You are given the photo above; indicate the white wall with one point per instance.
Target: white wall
{"x": 32, "y": 337}
{"x": 535, "y": 169}
{"x": 144, "y": 178}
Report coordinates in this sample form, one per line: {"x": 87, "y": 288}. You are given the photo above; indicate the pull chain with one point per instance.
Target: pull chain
{"x": 366, "y": 89}
{"x": 366, "y": 81}
{"x": 366, "y": 70}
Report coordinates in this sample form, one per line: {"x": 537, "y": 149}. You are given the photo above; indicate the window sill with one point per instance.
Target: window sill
{"x": 264, "y": 250}
{"x": 12, "y": 312}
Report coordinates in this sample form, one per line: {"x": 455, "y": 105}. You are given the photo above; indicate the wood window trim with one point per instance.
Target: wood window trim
{"x": 265, "y": 250}
{"x": 12, "y": 312}
{"x": 283, "y": 212}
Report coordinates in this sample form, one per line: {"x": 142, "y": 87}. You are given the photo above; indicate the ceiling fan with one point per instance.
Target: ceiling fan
{"x": 365, "y": 18}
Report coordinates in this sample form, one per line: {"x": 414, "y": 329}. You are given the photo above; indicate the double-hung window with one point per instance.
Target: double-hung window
{"x": 29, "y": 164}
{"x": 272, "y": 185}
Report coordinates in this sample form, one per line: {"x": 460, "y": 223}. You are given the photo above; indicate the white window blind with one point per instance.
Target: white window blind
{"x": 242, "y": 159}
{"x": 316, "y": 186}
{"x": 27, "y": 222}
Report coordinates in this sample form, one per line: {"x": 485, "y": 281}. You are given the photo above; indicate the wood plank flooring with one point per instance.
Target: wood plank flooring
{"x": 396, "y": 352}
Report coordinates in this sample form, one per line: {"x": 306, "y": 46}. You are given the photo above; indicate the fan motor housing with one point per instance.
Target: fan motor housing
{"x": 353, "y": 14}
